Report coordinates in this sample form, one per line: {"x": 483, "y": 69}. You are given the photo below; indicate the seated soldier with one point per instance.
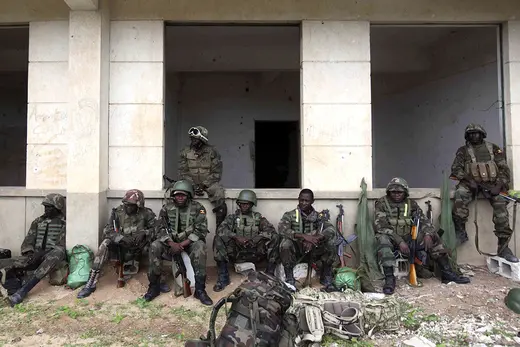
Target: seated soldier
{"x": 183, "y": 226}
{"x": 394, "y": 215}
{"x": 43, "y": 249}
{"x": 244, "y": 236}
{"x": 136, "y": 228}
{"x": 303, "y": 233}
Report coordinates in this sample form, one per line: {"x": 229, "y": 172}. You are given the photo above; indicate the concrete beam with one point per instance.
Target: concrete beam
{"x": 83, "y": 5}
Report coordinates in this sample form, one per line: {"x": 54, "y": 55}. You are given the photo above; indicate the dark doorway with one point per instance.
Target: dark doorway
{"x": 277, "y": 154}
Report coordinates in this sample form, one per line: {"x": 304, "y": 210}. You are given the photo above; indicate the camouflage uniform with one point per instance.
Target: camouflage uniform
{"x": 135, "y": 232}
{"x": 203, "y": 167}
{"x": 43, "y": 249}
{"x": 291, "y": 249}
{"x": 465, "y": 168}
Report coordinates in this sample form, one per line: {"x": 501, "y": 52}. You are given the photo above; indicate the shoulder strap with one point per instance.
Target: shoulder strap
{"x": 490, "y": 149}
{"x": 471, "y": 152}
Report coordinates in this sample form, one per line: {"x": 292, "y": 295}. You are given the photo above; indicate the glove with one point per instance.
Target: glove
{"x": 199, "y": 189}
{"x": 428, "y": 242}
{"x": 140, "y": 239}
{"x": 403, "y": 248}
{"x": 496, "y": 189}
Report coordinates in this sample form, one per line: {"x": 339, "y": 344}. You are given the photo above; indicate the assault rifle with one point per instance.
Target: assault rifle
{"x": 120, "y": 261}
{"x": 343, "y": 242}
{"x": 181, "y": 268}
{"x": 413, "y": 248}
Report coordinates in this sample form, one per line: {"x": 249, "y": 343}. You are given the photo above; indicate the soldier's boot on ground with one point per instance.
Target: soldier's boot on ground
{"x": 220, "y": 213}
{"x": 460, "y": 231}
{"x": 326, "y": 276}
{"x": 270, "y": 269}
{"x": 154, "y": 288}
{"x": 223, "y": 276}
{"x": 447, "y": 273}
{"x": 389, "y": 286}
{"x": 289, "y": 275}
{"x": 423, "y": 272}
{"x": 200, "y": 291}
{"x": 18, "y": 297}
{"x": 165, "y": 288}
{"x": 90, "y": 287}
{"x": 505, "y": 252}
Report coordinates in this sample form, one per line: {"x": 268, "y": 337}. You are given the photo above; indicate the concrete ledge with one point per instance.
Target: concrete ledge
{"x": 24, "y": 192}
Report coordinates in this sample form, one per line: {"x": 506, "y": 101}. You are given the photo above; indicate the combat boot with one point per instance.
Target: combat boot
{"x": 460, "y": 231}
{"x": 90, "y": 287}
{"x": 18, "y": 297}
{"x": 423, "y": 272}
{"x": 505, "y": 252}
{"x": 154, "y": 288}
{"x": 326, "y": 275}
{"x": 200, "y": 291}
{"x": 271, "y": 267}
{"x": 447, "y": 273}
{"x": 223, "y": 276}
{"x": 389, "y": 286}
{"x": 220, "y": 213}
{"x": 289, "y": 275}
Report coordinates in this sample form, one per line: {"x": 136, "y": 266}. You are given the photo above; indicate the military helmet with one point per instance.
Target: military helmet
{"x": 182, "y": 186}
{"x": 55, "y": 200}
{"x": 471, "y": 128}
{"x": 135, "y": 197}
{"x": 247, "y": 195}
{"x": 512, "y": 300}
{"x": 397, "y": 184}
{"x": 199, "y": 132}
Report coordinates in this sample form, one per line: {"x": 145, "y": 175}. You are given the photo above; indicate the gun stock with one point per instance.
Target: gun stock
{"x": 119, "y": 263}
{"x": 413, "y": 274}
{"x": 181, "y": 270}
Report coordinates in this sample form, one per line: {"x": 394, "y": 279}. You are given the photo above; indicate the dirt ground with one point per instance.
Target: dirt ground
{"x": 458, "y": 315}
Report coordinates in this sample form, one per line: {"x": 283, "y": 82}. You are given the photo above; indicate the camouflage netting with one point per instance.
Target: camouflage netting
{"x": 447, "y": 227}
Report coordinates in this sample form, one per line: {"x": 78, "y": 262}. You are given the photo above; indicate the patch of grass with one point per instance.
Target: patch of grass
{"x": 412, "y": 319}
{"x": 184, "y": 312}
{"x": 91, "y": 333}
{"x": 141, "y": 303}
{"x": 118, "y": 318}
{"x": 82, "y": 302}
{"x": 329, "y": 340}
{"x": 68, "y": 311}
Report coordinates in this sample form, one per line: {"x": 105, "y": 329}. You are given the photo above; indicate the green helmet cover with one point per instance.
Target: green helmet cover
{"x": 247, "y": 195}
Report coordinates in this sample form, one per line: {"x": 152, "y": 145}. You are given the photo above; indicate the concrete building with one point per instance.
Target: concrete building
{"x": 97, "y": 97}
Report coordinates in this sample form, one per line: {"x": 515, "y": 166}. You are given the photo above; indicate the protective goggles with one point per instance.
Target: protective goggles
{"x": 195, "y": 132}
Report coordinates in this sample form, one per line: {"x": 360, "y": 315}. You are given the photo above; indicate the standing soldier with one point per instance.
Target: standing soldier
{"x": 244, "y": 236}
{"x": 186, "y": 219}
{"x": 303, "y": 232}
{"x": 43, "y": 249}
{"x": 394, "y": 215}
{"x": 481, "y": 166}
{"x": 200, "y": 164}
{"x": 136, "y": 228}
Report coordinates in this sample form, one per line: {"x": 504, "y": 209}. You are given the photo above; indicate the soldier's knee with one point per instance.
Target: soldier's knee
{"x": 384, "y": 239}
{"x": 57, "y": 253}
{"x": 286, "y": 245}
{"x": 198, "y": 247}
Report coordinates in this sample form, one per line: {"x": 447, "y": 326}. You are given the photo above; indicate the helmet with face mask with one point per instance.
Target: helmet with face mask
{"x": 397, "y": 184}
{"x": 199, "y": 132}
{"x": 134, "y": 197}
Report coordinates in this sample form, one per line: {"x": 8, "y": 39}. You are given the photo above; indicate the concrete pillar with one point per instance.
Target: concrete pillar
{"x": 136, "y": 113}
{"x": 47, "y": 105}
{"x": 87, "y": 173}
{"x": 336, "y": 113}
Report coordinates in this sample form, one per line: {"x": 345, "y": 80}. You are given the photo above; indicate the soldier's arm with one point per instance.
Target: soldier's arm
{"x": 284, "y": 227}
{"x": 329, "y": 230}
{"x": 150, "y": 223}
{"x": 226, "y": 227}
{"x": 425, "y": 225}
{"x": 63, "y": 236}
{"x": 160, "y": 227}
{"x": 266, "y": 228}
{"x": 109, "y": 232}
{"x": 215, "y": 173}
{"x": 457, "y": 167}
{"x": 29, "y": 241}
{"x": 504, "y": 174}
{"x": 200, "y": 225}
{"x": 382, "y": 224}
{"x": 183, "y": 170}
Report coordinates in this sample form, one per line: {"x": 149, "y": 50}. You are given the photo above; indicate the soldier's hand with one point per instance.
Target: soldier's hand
{"x": 496, "y": 189}
{"x": 199, "y": 190}
{"x": 28, "y": 254}
{"x": 403, "y": 248}
{"x": 473, "y": 185}
{"x": 241, "y": 240}
{"x": 307, "y": 247}
{"x": 428, "y": 242}
{"x": 314, "y": 240}
{"x": 176, "y": 247}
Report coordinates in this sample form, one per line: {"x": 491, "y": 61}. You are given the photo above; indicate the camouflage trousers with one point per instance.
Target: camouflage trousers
{"x": 42, "y": 266}
{"x": 463, "y": 196}
{"x": 215, "y": 192}
{"x": 261, "y": 248}
{"x": 291, "y": 251}
{"x": 103, "y": 253}
{"x": 386, "y": 245}
{"x": 159, "y": 251}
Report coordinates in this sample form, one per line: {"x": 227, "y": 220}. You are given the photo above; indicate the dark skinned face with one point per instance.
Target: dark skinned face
{"x": 180, "y": 199}
{"x": 130, "y": 209}
{"x": 305, "y": 202}
{"x": 51, "y": 211}
{"x": 475, "y": 138}
{"x": 196, "y": 143}
{"x": 245, "y": 207}
{"x": 396, "y": 196}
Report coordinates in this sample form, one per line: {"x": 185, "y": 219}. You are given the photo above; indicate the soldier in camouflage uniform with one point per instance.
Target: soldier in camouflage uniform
{"x": 302, "y": 232}
{"x": 244, "y": 236}
{"x": 188, "y": 223}
{"x": 394, "y": 214}
{"x": 200, "y": 164}
{"x": 136, "y": 229}
{"x": 43, "y": 249}
{"x": 481, "y": 166}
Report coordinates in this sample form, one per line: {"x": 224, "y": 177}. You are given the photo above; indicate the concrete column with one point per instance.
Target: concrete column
{"x": 136, "y": 113}
{"x": 336, "y": 113}
{"x": 87, "y": 173}
{"x": 47, "y": 105}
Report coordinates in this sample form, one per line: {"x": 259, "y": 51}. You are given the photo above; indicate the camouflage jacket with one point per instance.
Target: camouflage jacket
{"x": 297, "y": 222}
{"x": 189, "y": 222}
{"x": 246, "y": 225}
{"x": 395, "y": 219}
{"x": 462, "y": 158}
{"x": 200, "y": 167}
{"x": 56, "y": 234}
{"x": 143, "y": 220}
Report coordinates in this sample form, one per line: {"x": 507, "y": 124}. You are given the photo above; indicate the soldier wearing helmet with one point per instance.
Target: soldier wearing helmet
{"x": 394, "y": 216}
{"x": 43, "y": 250}
{"x": 183, "y": 227}
{"x": 245, "y": 235}
{"x": 200, "y": 164}
{"x": 136, "y": 229}
{"x": 481, "y": 167}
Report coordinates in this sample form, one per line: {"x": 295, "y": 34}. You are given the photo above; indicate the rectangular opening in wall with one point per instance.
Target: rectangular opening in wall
{"x": 14, "y": 62}
{"x": 428, "y": 84}
{"x": 229, "y": 78}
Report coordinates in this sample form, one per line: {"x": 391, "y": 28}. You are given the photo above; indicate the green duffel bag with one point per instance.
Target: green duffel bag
{"x": 80, "y": 263}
